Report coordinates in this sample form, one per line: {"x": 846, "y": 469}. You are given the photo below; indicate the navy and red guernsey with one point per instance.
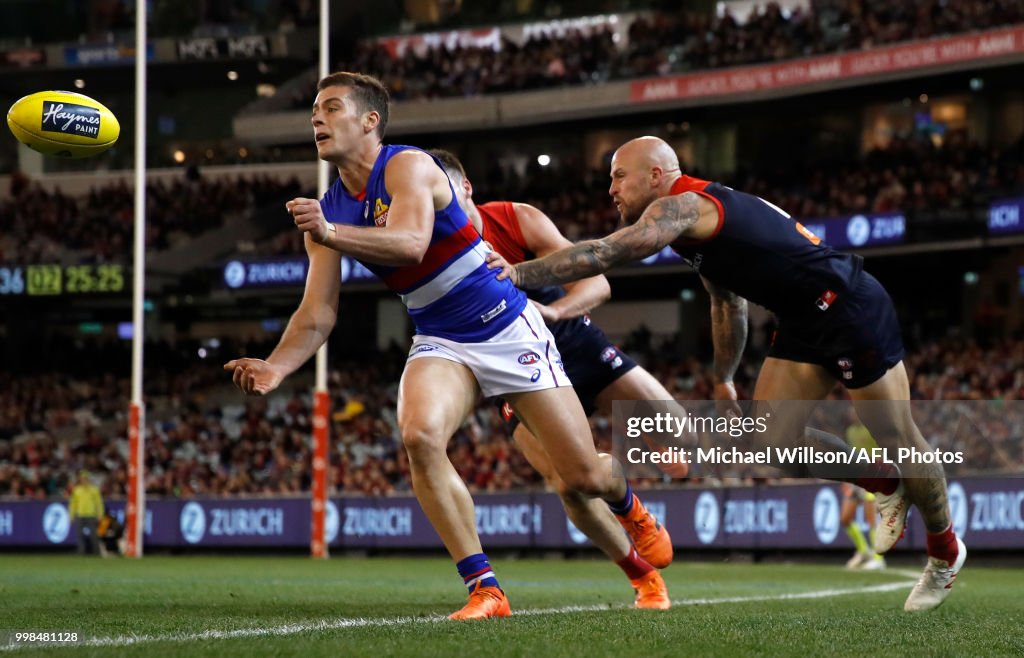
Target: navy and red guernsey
{"x": 501, "y": 229}
{"x": 763, "y": 255}
{"x": 451, "y": 293}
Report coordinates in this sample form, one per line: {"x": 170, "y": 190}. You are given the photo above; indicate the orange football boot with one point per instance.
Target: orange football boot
{"x": 650, "y": 537}
{"x": 651, "y": 593}
{"x": 484, "y": 603}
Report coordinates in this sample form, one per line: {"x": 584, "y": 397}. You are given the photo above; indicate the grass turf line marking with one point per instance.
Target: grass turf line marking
{"x": 359, "y": 622}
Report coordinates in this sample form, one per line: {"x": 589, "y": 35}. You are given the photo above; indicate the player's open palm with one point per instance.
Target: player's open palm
{"x": 254, "y": 376}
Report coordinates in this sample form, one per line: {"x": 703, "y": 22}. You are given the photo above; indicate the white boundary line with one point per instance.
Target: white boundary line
{"x": 285, "y": 630}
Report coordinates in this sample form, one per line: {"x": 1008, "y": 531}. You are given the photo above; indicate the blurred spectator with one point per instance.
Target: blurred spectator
{"x": 204, "y": 440}
{"x": 663, "y": 42}
{"x": 43, "y": 226}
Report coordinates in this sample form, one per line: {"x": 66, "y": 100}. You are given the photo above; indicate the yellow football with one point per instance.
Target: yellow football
{"x": 63, "y": 124}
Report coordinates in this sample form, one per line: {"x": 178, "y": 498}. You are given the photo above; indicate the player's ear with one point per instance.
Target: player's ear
{"x": 655, "y": 175}
{"x": 467, "y": 187}
{"x": 370, "y": 121}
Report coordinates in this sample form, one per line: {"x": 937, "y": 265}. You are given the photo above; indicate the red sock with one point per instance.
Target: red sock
{"x": 883, "y": 478}
{"x": 942, "y": 545}
{"x": 634, "y": 565}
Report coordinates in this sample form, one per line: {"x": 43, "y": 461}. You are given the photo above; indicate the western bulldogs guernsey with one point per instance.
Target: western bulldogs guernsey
{"x": 762, "y": 254}
{"x": 451, "y": 293}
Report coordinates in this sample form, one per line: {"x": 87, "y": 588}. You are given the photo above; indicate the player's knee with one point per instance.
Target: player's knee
{"x": 585, "y": 482}
{"x": 422, "y": 440}
{"x": 564, "y": 491}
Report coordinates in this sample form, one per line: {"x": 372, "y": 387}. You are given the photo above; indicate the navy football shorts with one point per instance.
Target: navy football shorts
{"x": 857, "y": 340}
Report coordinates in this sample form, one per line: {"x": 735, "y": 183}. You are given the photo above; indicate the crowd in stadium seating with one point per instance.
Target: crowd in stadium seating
{"x": 50, "y": 226}
{"x": 911, "y": 175}
{"x": 668, "y": 42}
{"x": 204, "y": 440}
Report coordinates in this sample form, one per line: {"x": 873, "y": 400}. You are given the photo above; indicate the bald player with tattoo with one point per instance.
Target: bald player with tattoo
{"x": 836, "y": 323}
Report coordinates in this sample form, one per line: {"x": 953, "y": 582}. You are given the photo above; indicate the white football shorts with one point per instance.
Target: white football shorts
{"x": 522, "y": 357}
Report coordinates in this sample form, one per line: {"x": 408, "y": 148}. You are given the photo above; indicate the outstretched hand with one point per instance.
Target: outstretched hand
{"x": 496, "y": 261}
{"x": 254, "y": 376}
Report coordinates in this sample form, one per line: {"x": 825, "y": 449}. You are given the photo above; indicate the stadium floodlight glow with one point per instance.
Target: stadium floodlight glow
{"x": 179, "y": 156}
{"x": 79, "y": 83}
{"x": 232, "y": 75}
{"x": 923, "y": 98}
{"x": 543, "y": 159}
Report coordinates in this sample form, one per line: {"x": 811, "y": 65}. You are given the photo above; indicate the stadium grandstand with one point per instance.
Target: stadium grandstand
{"x": 893, "y": 129}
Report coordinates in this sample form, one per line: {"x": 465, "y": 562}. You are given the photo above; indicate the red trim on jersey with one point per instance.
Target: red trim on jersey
{"x": 690, "y": 184}
{"x": 501, "y": 229}
{"x": 361, "y": 196}
{"x": 437, "y": 255}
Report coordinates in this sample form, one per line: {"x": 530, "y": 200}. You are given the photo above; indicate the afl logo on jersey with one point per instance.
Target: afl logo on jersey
{"x": 529, "y": 358}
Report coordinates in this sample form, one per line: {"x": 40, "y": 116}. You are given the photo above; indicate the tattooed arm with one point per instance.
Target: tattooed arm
{"x": 728, "y": 329}
{"x": 729, "y": 336}
{"x": 665, "y": 220}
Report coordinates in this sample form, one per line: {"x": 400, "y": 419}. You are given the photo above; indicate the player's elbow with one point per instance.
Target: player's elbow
{"x": 410, "y": 252}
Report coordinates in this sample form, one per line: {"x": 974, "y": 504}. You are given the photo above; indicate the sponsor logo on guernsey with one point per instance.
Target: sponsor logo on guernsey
{"x": 494, "y": 312}
{"x": 380, "y": 213}
{"x": 826, "y": 300}
{"x": 529, "y": 358}
{"x": 426, "y": 347}
{"x": 535, "y": 376}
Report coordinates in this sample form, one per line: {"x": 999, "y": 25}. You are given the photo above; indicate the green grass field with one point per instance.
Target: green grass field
{"x": 289, "y": 606}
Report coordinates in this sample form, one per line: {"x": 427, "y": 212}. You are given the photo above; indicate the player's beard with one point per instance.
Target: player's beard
{"x": 630, "y": 213}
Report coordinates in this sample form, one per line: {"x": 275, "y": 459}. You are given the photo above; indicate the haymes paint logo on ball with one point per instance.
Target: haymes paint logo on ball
{"x": 71, "y": 119}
